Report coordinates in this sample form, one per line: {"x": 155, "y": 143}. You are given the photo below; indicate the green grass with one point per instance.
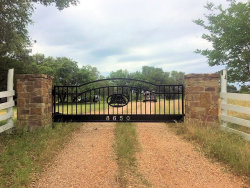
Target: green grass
{"x": 5, "y": 111}
{"x": 229, "y": 148}
{"x": 3, "y": 122}
{"x": 126, "y": 146}
{"x": 22, "y": 154}
{"x": 239, "y": 127}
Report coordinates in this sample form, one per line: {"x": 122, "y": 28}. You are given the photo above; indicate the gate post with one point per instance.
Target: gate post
{"x": 202, "y": 97}
{"x": 34, "y": 100}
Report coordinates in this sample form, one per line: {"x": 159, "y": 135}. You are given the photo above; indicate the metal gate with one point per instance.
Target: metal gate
{"x": 118, "y": 100}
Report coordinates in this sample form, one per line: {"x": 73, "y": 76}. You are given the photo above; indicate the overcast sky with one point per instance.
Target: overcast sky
{"x": 124, "y": 34}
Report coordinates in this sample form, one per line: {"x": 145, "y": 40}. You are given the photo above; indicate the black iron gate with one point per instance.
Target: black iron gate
{"x": 118, "y": 100}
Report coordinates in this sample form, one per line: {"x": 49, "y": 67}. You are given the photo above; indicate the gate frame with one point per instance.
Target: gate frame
{"x": 59, "y": 117}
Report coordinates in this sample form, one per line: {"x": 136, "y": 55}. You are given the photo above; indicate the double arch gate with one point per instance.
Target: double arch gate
{"x": 118, "y": 100}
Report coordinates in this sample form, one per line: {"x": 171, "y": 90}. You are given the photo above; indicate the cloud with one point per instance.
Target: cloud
{"x": 124, "y": 34}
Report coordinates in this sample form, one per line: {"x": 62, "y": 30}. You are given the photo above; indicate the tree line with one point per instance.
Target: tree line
{"x": 226, "y": 29}
{"x": 67, "y": 72}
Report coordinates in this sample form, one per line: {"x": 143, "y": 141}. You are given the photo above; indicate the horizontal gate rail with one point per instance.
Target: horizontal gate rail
{"x": 118, "y": 118}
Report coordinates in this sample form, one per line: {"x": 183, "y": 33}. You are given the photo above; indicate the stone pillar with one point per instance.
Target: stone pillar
{"x": 202, "y": 97}
{"x": 34, "y": 100}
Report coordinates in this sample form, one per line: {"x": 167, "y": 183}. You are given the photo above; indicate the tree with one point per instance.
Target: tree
{"x": 149, "y": 74}
{"x": 231, "y": 89}
{"x": 15, "y": 15}
{"x": 14, "y": 18}
{"x": 177, "y": 77}
{"x": 245, "y": 89}
{"x": 60, "y": 4}
{"x": 87, "y": 74}
{"x": 228, "y": 31}
{"x": 64, "y": 70}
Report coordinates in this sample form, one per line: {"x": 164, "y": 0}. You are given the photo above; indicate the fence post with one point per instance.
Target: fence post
{"x": 224, "y": 90}
{"x": 34, "y": 102}
{"x": 9, "y": 99}
{"x": 202, "y": 98}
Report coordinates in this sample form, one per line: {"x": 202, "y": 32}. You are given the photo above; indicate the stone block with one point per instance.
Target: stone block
{"x": 210, "y": 89}
{"x": 29, "y": 88}
{"x": 195, "y": 104}
{"x": 36, "y": 111}
{"x": 213, "y": 111}
{"x": 205, "y": 99}
{"x": 37, "y": 99}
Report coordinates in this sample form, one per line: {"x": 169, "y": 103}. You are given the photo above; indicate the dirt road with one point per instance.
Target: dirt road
{"x": 166, "y": 160}
{"x": 87, "y": 161}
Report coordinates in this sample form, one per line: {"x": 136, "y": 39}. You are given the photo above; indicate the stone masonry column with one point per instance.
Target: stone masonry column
{"x": 34, "y": 100}
{"x": 202, "y": 97}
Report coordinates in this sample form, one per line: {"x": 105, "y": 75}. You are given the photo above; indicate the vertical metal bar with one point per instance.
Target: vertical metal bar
{"x": 81, "y": 104}
{"x": 159, "y": 99}
{"x": 131, "y": 100}
{"x": 108, "y": 96}
{"x": 85, "y": 102}
{"x": 136, "y": 98}
{"x": 90, "y": 102}
{"x": 99, "y": 102}
{"x": 164, "y": 99}
{"x": 113, "y": 93}
{"x": 62, "y": 90}
{"x": 178, "y": 101}
{"x": 94, "y": 101}
{"x": 141, "y": 99}
{"x": 54, "y": 99}
{"x": 103, "y": 98}
{"x": 76, "y": 100}
{"x": 182, "y": 100}
{"x": 128, "y": 97}
{"x": 72, "y": 93}
{"x": 169, "y": 96}
{"x": 150, "y": 101}
{"x": 67, "y": 100}
{"x": 174, "y": 97}
{"x": 117, "y": 91}
{"x": 122, "y": 94}
{"x": 155, "y": 104}
{"x": 58, "y": 98}
{"x": 145, "y": 103}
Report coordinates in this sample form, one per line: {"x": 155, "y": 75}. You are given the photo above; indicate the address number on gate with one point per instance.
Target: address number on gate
{"x": 117, "y": 118}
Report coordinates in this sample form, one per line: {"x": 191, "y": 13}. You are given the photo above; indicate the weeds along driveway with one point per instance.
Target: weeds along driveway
{"x": 87, "y": 161}
{"x": 166, "y": 160}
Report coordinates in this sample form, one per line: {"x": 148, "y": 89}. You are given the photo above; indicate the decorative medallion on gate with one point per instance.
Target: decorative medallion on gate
{"x": 117, "y": 100}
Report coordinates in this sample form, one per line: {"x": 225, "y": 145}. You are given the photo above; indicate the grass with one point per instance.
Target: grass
{"x": 229, "y": 148}
{"x": 23, "y": 154}
{"x": 126, "y": 146}
{"x": 5, "y": 111}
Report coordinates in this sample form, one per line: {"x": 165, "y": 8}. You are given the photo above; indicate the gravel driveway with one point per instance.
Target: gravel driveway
{"x": 87, "y": 161}
{"x": 164, "y": 160}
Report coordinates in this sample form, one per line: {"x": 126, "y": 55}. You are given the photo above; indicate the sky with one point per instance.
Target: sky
{"x": 125, "y": 34}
